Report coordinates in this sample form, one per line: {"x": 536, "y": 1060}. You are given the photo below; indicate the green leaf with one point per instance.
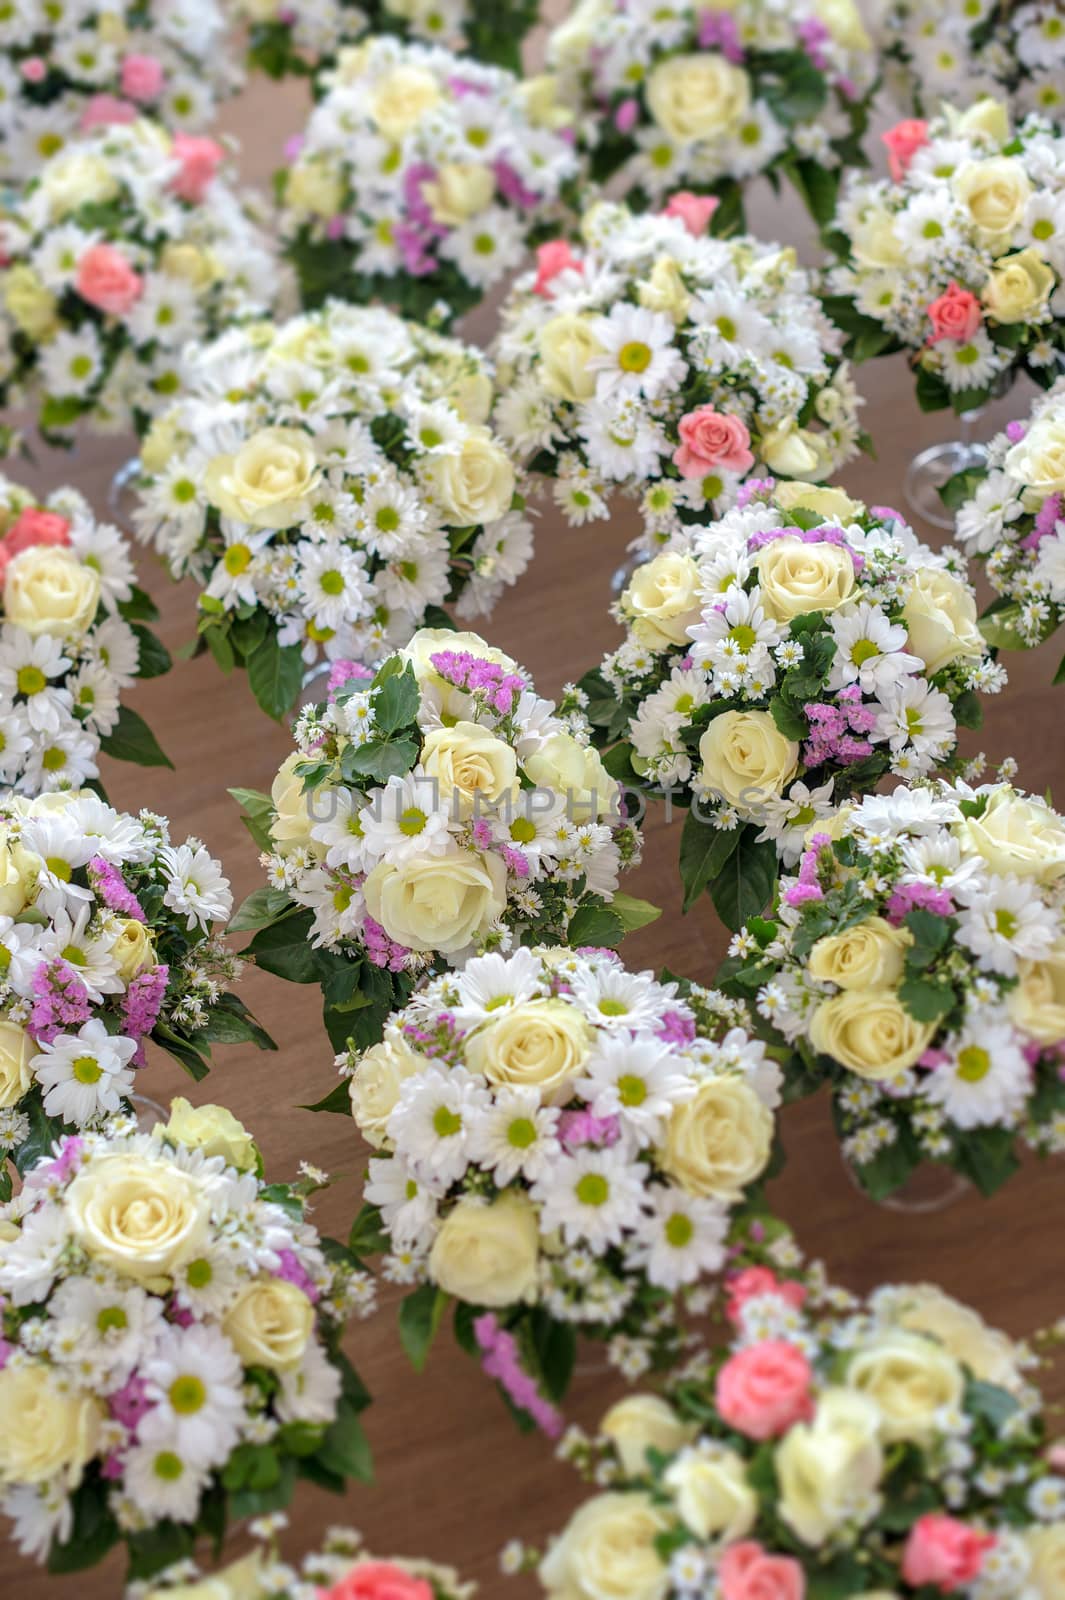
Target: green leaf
{"x": 258, "y": 814}
{"x": 93, "y": 1533}
{"x": 338, "y": 1099}
{"x": 131, "y": 739}
{"x": 745, "y": 886}
{"x": 44, "y": 1131}
{"x": 218, "y": 642}
{"x": 230, "y": 1022}
{"x": 153, "y": 658}
{"x": 345, "y": 1449}
{"x": 181, "y": 1050}
{"x": 926, "y": 999}
{"x": 792, "y": 723}
{"x": 999, "y": 627}
{"x": 595, "y": 925}
{"x": 158, "y": 1547}
{"x": 252, "y": 1502}
{"x": 275, "y": 673}
{"x": 262, "y": 907}
{"x": 379, "y": 760}
{"x": 368, "y": 1236}
{"x": 987, "y": 1157}
{"x": 996, "y": 1406}
{"x": 1059, "y": 676}
{"x": 556, "y": 1350}
{"x": 420, "y": 1315}
{"x": 932, "y": 392}
{"x": 284, "y": 949}
{"x": 704, "y": 852}
{"x": 633, "y": 913}
{"x": 396, "y": 702}
{"x": 140, "y": 607}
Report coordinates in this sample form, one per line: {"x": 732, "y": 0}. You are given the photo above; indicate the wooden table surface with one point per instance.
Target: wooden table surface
{"x": 455, "y": 1480}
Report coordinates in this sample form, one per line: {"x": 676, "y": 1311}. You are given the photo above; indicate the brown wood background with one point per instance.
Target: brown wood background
{"x": 455, "y": 1480}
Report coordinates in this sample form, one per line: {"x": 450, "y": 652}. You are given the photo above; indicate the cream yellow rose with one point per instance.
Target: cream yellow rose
{"x": 697, "y": 96}
{"x": 874, "y": 242}
{"x": 984, "y": 116}
{"x": 472, "y": 767}
{"x": 314, "y": 188}
{"x": 189, "y": 264}
{"x": 940, "y": 618}
{"x": 376, "y": 1083}
{"x": 871, "y": 1032}
{"x": 663, "y": 599}
{"x": 1038, "y": 460}
{"x": 241, "y": 1580}
{"x": 1046, "y": 1549}
{"x": 795, "y": 452}
{"x": 399, "y": 100}
{"x": 566, "y": 344}
{"x": 910, "y": 1380}
{"x": 995, "y": 193}
{"x": 77, "y": 178}
{"x": 32, "y": 305}
{"x": 844, "y": 22}
{"x": 989, "y": 1354}
{"x": 831, "y": 503}
{"x": 664, "y": 290}
{"x": 795, "y": 577}
{"x": 438, "y": 903}
{"x": 476, "y": 484}
{"x": 576, "y": 772}
{"x": 540, "y": 98}
{"x": 269, "y": 1324}
{"x": 825, "y": 1465}
{"x": 708, "y": 1485}
{"x": 16, "y": 1051}
{"x": 133, "y": 951}
{"x": 871, "y": 955}
{"x": 1037, "y": 1005}
{"x": 1016, "y": 834}
{"x": 18, "y": 873}
{"x": 607, "y": 1552}
{"x": 720, "y": 1141}
{"x": 541, "y": 1044}
{"x": 574, "y": 36}
{"x": 214, "y": 1130}
{"x": 160, "y": 443}
{"x": 746, "y": 757}
{"x": 268, "y": 481}
{"x": 470, "y": 391}
{"x": 293, "y": 818}
{"x": 46, "y": 1430}
{"x": 48, "y": 590}
{"x": 643, "y": 1422}
{"x": 142, "y": 1218}
{"x": 488, "y": 1253}
{"x": 460, "y": 189}
{"x": 1018, "y": 288}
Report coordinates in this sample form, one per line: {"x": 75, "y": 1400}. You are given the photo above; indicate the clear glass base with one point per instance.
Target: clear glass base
{"x": 619, "y": 578}
{"x": 120, "y": 493}
{"x": 932, "y": 1186}
{"x": 149, "y": 1113}
{"x": 932, "y": 468}
{"x": 312, "y": 689}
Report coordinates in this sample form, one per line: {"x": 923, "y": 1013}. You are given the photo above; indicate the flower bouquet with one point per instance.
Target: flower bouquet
{"x": 965, "y": 48}
{"x": 302, "y": 38}
{"x": 777, "y": 660}
{"x": 107, "y": 941}
{"x": 1011, "y": 516}
{"x": 563, "y": 1148}
{"x": 72, "y": 638}
{"x": 430, "y": 812}
{"x": 342, "y": 1570}
{"x": 69, "y": 68}
{"x": 668, "y": 364}
{"x": 890, "y": 1448}
{"x": 330, "y": 483}
{"x": 423, "y": 178}
{"x": 916, "y": 964}
{"x": 125, "y": 246}
{"x": 707, "y": 98}
{"x": 171, "y": 1331}
{"x": 958, "y": 257}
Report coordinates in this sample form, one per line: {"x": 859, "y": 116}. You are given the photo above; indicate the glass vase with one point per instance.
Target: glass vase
{"x": 934, "y": 466}
{"x": 119, "y": 494}
{"x": 149, "y": 1113}
{"x": 931, "y": 1186}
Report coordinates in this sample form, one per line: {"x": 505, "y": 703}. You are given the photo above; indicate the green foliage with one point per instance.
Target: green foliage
{"x": 420, "y": 1316}
{"x": 746, "y": 883}
{"x": 275, "y": 674}
{"x": 131, "y": 739}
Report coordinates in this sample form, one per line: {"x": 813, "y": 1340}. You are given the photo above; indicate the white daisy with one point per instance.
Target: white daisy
{"x": 640, "y": 1081}
{"x": 433, "y": 1119}
{"x": 86, "y": 1074}
{"x": 985, "y": 1082}
{"x": 194, "y": 1377}
{"x": 638, "y": 353}
{"x": 679, "y": 1238}
{"x": 593, "y": 1195}
{"x": 196, "y": 887}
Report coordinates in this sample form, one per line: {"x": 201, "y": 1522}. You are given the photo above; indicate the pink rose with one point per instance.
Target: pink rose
{"x": 710, "y": 440}
{"x": 552, "y": 258}
{"x": 903, "y": 142}
{"x": 105, "y": 111}
{"x": 625, "y": 116}
{"x": 694, "y": 210}
{"x": 753, "y": 1282}
{"x": 944, "y": 1552}
{"x": 378, "y": 1580}
{"x": 106, "y": 280}
{"x": 142, "y": 77}
{"x": 746, "y": 1572}
{"x": 200, "y": 159}
{"x": 764, "y": 1390}
{"x": 31, "y": 527}
{"x": 954, "y": 315}
{"x": 34, "y": 70}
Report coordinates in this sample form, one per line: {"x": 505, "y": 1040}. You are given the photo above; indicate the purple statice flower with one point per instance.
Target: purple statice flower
{"x": 807, "y": 885}
{"x": 625, "y": 116}
{"x": 578, "y": 1128}
{"x": 382, "y": 950}
{"x": 676, "y": 1027}
{"x": 1046, "y": 522}
{"x": 130, "y": 1404}
{"x": 143, "y": 1001}
{"x": 1015, "y": 431}
{"x": 918, "y": 897}
{"x": 460, "y": 87}
{"x": 334, "y": 228}
{"x": 824, "y": 533}
{"x": 413, "y": 246}
{"x": 516, "y": 862}
{"x": 292, "y": 147}
{"x": 60, "y": 1004}
{"x": 344, "y": 672}
{"x": 754, "y": 489}
{"x": 291, "y": 1270}
{"x": 481, "y": 829}
{"x": 812, "y": 35}
{"x": 799, "y": 894}
{"x": 718, "y": 31}
{"x": 66, "y": 1162}
{"x": 501, "y": 1360}
{"x": 112, "y": 889}
{"x": 511, "y": 187}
